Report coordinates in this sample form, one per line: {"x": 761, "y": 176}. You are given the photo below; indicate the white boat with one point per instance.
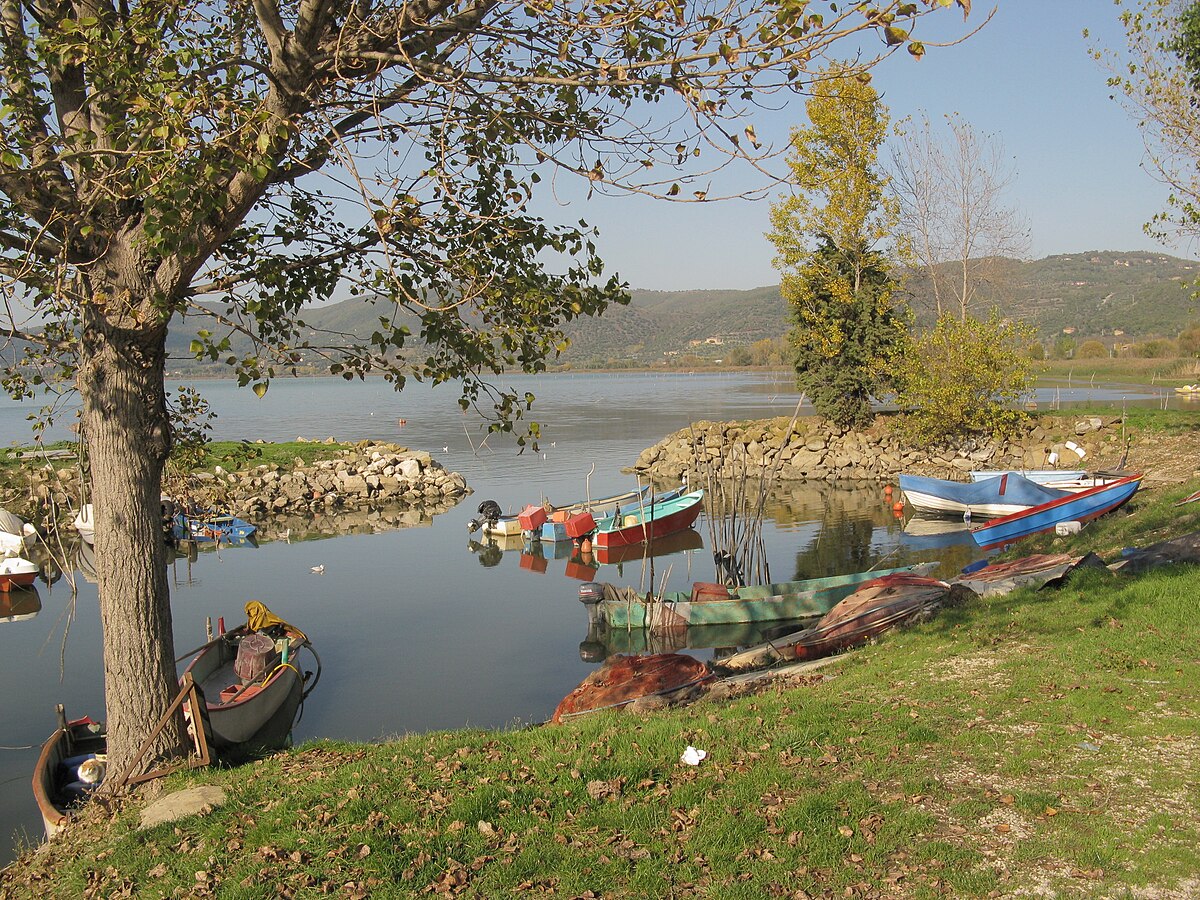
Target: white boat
{"x": 16, "y": 535}
{"x": 84, "y": 523}
{"x": 1000, "y": 496}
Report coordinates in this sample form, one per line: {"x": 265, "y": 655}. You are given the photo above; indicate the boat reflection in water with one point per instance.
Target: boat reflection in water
{"x": 536, "y": 556}
{"x": 602, "y": 642}
{"x": 19, "y": 604}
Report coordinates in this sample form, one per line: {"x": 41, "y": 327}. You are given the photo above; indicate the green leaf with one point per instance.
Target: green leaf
{"x": 260, "y": 389}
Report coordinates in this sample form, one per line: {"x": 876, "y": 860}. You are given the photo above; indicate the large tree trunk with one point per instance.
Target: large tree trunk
{"x": 127, "y": 432}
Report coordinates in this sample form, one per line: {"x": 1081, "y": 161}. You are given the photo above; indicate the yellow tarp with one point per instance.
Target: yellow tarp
{"x": 259, "y": 617}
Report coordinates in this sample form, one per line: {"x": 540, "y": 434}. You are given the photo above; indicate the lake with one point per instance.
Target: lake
{"x": 422, "y": 628}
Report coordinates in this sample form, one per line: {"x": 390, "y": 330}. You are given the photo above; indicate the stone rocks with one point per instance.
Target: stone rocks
{"x": 817, "y": 451}
{"x": 367, "y": 476}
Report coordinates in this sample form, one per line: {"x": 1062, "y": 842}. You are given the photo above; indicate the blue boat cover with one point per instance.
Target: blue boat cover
{"x": 1009, "y": 488}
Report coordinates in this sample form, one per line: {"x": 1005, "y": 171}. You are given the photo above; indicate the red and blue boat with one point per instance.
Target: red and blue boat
{"x": 1077, "y": 507}
{"x": 650, "y": 520}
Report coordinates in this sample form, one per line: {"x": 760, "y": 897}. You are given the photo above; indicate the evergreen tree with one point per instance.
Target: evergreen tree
{"x": 847, "y": 332}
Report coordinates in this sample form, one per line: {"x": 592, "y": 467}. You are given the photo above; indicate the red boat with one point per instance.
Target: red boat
{"x": 651, "y": 521}
{"x": 16, "y": 573}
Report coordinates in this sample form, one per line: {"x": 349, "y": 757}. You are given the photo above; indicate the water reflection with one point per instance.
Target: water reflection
{"x": 602, "y": 642}
{"x": 19, "y": 604}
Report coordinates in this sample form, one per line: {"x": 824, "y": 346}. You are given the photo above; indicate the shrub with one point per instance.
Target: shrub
{"x": 966, "y": 377}
{"x": 1091, "y": 350}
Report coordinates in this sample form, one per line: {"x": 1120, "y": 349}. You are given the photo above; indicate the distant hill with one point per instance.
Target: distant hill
{"x": 1119, "y": 296}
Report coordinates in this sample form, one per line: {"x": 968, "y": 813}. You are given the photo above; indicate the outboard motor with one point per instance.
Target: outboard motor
{"x": 591, "y": 593}
{"x": 490, "y": 513}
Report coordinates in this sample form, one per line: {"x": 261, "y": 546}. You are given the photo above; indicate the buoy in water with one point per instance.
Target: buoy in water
{"x": 887, "y": 489}
{"x": 585, "y": 546}
{"x": 898, "y": 506}
{"x": 401, "y": 421}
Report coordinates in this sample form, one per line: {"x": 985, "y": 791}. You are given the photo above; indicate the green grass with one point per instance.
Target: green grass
{"x": 237, "y": 455}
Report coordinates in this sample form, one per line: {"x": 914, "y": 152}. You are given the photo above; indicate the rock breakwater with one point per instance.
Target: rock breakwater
{"x": 364, "y": 476}
{"x": 353, "y": 483}
{"x": 814, "y": 449}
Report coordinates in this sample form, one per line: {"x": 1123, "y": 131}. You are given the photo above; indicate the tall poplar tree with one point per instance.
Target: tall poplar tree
{"x": 848, "y": 331}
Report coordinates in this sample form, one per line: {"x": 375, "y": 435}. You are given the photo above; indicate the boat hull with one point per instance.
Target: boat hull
{"x": 17, "y": 573}
{"x": 757, "y": 603}
{"x": 685, "y": 539}
{"x": 658, "y": 521}
{"x": 1078, "y": 507}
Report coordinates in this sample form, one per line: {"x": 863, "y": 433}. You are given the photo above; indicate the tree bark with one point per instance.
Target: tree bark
{"x": 127, "y": 433}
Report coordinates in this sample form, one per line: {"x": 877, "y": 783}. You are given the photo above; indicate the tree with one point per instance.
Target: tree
{"x": 954, "y": 222}
{"x": 848, "y": 333}
{"x": 260, "y": 156}
{"x": 1092, "y": 349}
{"x": 1158, "y": 79}
{"x": 967, "y": 377}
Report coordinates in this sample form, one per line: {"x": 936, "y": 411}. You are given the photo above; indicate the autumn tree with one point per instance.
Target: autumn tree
{"x": 848, "y": 332}
{"x": 956, "y": 227}
{"x": 967, "y": 377}
{"x": 233, "y": 161}
{"x": 1158, "y": 79}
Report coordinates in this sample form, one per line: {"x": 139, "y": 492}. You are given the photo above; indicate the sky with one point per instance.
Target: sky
{"x": 1026, "y": 77}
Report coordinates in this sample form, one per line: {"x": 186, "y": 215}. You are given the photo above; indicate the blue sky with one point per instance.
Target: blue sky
{"x": 1026, "y": 77}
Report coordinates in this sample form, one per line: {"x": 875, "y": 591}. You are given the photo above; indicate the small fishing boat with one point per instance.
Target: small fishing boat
{"x": 69, "y": 768}
{"x": 650, "y": 520}
{"x": 545, "y": 520}
{"x": 714, "y": 604}
{"x": 1073, "y": 507}
{"x": 252, "y": 684}
{"x": 875, "y": 607}
{"x": 16, "y": 572}
{"x": 204, "y": 526}
{"x": 574, "y": 522}
{"x": 624, "y": 679}
{"x": 1006, "y": 493}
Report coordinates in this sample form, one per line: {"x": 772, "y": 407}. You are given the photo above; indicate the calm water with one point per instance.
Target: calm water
{"x": 419, "y": 628}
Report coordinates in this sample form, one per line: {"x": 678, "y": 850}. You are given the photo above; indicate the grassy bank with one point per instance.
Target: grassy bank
{"x": 1037, "y": 744}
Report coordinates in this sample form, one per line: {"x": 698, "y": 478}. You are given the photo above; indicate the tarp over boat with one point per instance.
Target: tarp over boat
{"x": 999, "y": 496}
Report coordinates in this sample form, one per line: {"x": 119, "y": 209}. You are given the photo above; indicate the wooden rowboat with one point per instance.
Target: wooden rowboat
{"x": 1077, "y": 507}
{"x": 252, "y": 685}
{"x": 713, "y": 604}
{"x": 651, "y": 520}
{"x": 17, "y": 573}
{"x": 58, "y": 787}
